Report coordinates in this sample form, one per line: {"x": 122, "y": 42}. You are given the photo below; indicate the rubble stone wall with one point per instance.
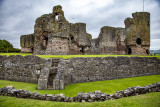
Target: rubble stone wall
{"x": 111, "y": 40}
{"x": 21, "y": 69}
{"x": 58, "y": 46}
{"x": 77, "y": 70}
{"x": 54, "y": 73}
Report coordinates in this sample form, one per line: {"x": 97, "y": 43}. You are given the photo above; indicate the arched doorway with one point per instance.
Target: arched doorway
{"x": 129, "y": 51}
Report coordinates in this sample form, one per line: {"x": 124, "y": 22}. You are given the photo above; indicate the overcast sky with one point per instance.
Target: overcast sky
{"x": 17, "y": 17}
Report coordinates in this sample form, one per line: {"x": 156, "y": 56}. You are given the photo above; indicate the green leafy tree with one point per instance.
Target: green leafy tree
{"x": 6, "y": 46}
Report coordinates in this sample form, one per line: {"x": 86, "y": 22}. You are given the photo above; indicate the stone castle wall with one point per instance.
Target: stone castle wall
{"x": 76, "y": 70}
{"x": 138, "y": 35}
{"x": 58, "y": 46}
{"x": 27, "y": 43}
{"x": 111, "y": 40}
{"x": 56, "y": 73}
{"x": 21, "y": 69}
{"x": 73, "y": 38}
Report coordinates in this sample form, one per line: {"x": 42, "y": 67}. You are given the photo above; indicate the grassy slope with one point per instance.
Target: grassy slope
{"x": 70, "y": 56}
{"x": 109, "y": 86}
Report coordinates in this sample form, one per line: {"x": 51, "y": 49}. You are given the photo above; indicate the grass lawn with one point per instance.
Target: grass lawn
{"x": 71, "y": 90}
{"x": 71, "y": 56}
{"x": 109, "y": 87}
{"x": 145, "y": 100}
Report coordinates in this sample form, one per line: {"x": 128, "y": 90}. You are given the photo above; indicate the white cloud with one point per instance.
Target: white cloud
{"x": 18, "y": 17}
{"x": 155, "y": 43}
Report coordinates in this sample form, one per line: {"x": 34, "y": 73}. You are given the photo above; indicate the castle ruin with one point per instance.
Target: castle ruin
{"x": 54, "y": 35}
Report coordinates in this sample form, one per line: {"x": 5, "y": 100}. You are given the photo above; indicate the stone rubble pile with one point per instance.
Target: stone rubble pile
{"x": 81, "y": 97}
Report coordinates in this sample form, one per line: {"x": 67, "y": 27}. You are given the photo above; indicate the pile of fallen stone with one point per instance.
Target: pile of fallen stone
{"x": 81, "y": 97}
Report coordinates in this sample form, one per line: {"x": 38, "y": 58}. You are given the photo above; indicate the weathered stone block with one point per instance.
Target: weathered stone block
{"x": 56, "y": 84}
{"x": 61, "y": 84}
{"x": 42, "y": 84}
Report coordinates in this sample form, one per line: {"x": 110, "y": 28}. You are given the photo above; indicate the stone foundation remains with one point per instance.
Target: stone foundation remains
{"x": 56, "y": 73}
{"x": 54, "y": 35}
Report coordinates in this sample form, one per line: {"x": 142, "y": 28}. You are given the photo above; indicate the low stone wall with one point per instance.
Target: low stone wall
{"x": 81, "y": 97}
{"x": 77, "y": 70}
{"x": 21, "y": 69}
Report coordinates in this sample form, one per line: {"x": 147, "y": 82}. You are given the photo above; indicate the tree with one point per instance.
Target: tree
{"x": 6, "y": 46}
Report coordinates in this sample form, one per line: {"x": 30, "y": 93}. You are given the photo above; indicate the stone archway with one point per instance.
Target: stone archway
{"x": 56, "y": 16}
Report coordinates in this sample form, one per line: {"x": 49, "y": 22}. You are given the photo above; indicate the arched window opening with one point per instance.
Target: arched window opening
{"x": 81, "y": 49}
{"x": 71, "y": 38}
{"x": 147, "y": 52}
{"x": 139, "y": 41}
{"x": 129, "y": 51}
{"x": 46, "y": 40}
{"x": 56, "y": 16}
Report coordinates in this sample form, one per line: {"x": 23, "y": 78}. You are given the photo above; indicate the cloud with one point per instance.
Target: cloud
{"x": 18, "y": 17}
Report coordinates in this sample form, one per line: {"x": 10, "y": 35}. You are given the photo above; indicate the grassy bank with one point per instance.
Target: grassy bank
{"x": 71, "y": 56}
{"x": 109, "y": 87}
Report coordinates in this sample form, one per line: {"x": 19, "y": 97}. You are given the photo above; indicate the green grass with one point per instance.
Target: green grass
{"x": 8, "y": 54}
{"x": 146, "y": 100}
{"x": 71, "y": 56}
{"x": 109, "y": 87}
{"x": 71, "y": 90}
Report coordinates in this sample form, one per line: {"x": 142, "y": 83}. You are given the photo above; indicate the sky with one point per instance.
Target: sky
{"x": 17, "y": 17}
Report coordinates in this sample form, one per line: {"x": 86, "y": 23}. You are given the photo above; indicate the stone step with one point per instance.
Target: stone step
{"x": 54, "y": 64}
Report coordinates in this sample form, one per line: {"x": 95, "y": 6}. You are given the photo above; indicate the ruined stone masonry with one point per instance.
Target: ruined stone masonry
{"x": 81, "y": 97}
{"x": 54, "y": 35}
{"x": 56, "y": 73}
